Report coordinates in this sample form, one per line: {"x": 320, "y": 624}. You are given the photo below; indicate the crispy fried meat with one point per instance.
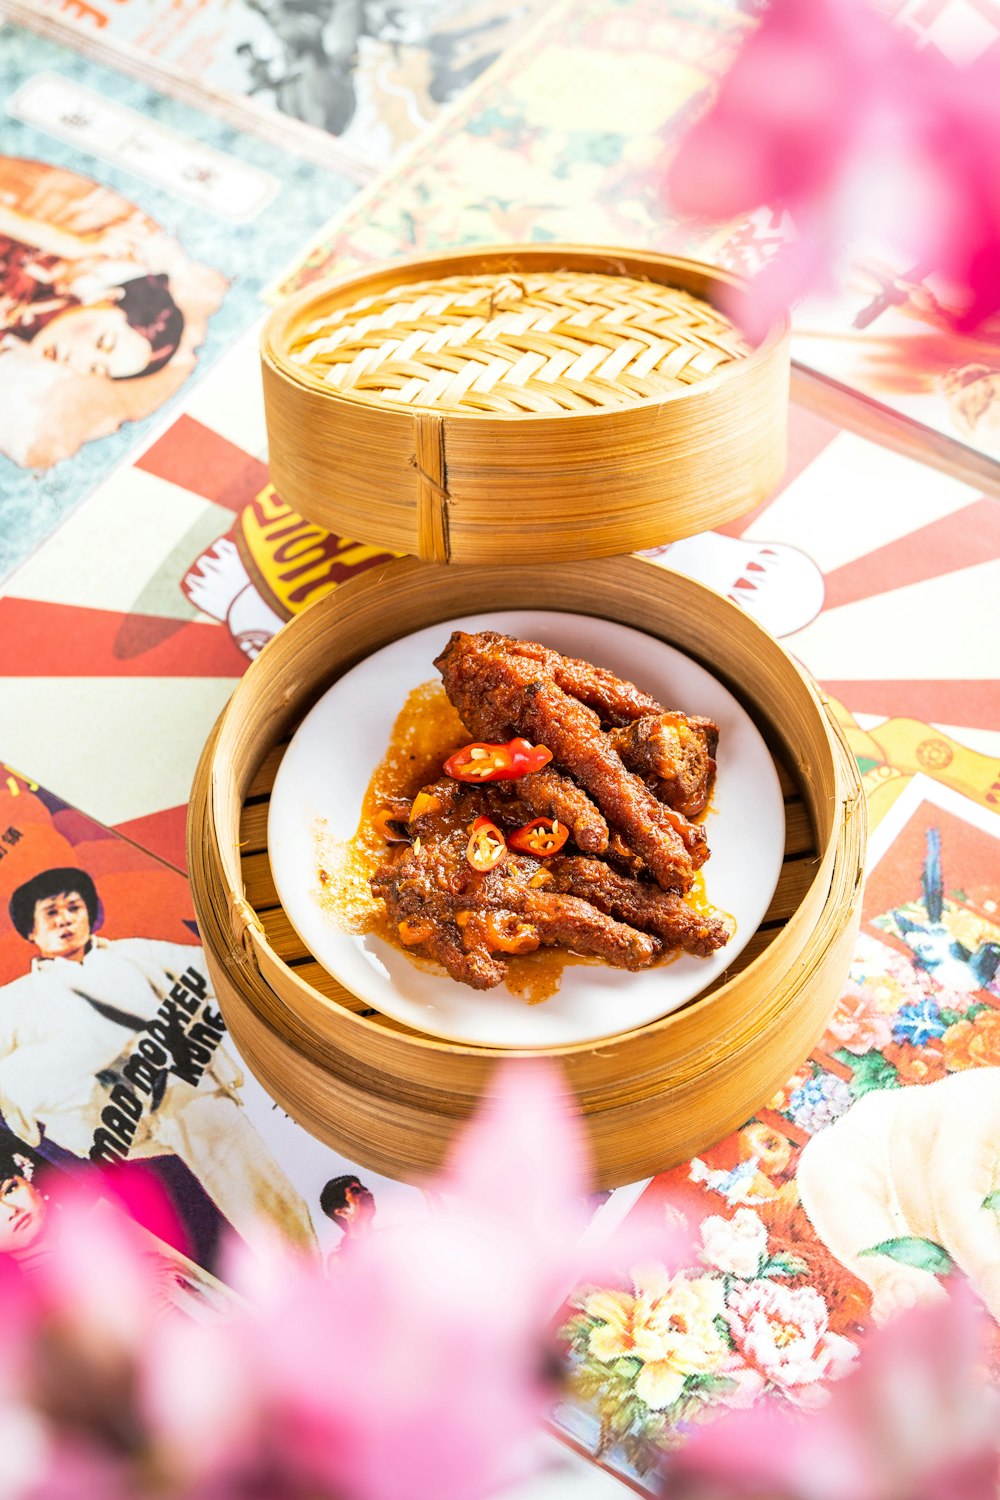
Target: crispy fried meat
{"x": 640, "y": 904}
{"x": 674, "y": 755}
{"x": 500, "y": 692}
{"x": 612, "y": 698}
{"x": 541, "y": 794}
{"x": 550, "y": 794}
{"x": 468, "y": 921}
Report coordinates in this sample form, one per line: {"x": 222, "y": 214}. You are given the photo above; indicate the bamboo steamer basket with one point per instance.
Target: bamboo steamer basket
{"x": 531, "y": 402}
{"x": 390, "y": 1097}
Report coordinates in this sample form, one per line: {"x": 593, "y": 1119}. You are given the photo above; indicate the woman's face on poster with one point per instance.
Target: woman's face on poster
{"x": 22, "y": 1215}
{"x": 94, "y": 341}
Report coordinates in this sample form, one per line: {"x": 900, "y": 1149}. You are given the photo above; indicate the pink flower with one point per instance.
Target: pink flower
{"x": 778, "y": 130}
{"x": 834, "y": 115}
{"x": 782, "y": 1332}
{"x": 415, "y": 1372}
{"x": 913, "y": 1418}
{"x": 72, "y": 1332}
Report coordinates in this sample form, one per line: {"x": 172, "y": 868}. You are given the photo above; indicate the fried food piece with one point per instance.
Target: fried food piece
{"x": 424, "y": 886}
{"x": 615, "y": 700}
{"x": 550, "y": 794}
{"x": 674, "y": 755}
{"x": 500, "y": 692}
{"x": 471, "y": 963}
{"x": 569, "y": 921}
{"x": 468, "y": 920}
{"x": 640, "y": 904}
{"x": 624, "y": 859}
{"x": 541, "y": 794}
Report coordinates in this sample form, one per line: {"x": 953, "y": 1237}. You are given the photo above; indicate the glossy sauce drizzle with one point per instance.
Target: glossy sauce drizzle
{"x": 426, "y": 731}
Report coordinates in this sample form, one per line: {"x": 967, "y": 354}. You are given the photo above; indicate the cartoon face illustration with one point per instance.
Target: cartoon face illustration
{"x": 269, "y": 567}
{"x": 778, "y": 585}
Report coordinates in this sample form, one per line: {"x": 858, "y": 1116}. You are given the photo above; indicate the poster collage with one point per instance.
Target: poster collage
{"x": 145, "y": 560}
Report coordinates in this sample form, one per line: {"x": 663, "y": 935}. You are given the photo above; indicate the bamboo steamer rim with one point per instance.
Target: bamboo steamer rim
{"x": 215, "y": 848}
{"x": 706, "y": 282}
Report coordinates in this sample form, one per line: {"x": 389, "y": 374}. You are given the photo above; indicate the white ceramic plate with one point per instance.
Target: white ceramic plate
{"x": 327, "y": 767}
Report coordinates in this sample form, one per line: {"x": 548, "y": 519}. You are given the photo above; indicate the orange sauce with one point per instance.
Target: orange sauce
{"x": 534, "y": 977}
{"x": 426, "y": 731}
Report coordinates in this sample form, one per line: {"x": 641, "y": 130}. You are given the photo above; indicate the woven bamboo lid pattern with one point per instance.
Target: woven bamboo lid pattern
{"x": 534, "y": 342}
{"x": 557, "y": 401}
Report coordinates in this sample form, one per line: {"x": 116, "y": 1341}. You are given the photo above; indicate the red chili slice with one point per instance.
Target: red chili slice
{"x": 542, "y": 837}
{"x": 483, "y": 762}
{"x": 486, "y": 847}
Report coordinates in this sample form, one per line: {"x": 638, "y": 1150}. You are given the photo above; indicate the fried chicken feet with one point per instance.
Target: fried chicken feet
{"x": 503, "y": 687}
{"x": 468, "y": 921}
{"x": 625, "y": 779}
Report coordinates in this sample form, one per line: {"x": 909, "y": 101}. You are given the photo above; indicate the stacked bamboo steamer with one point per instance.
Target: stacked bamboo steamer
{"x": 501, "y": 411}
{"x": 554, "y": 401}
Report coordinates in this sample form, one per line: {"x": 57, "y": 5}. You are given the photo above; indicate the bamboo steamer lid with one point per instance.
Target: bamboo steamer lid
{"x": 391, "y": 1097}
{"x": 530, "y": 402}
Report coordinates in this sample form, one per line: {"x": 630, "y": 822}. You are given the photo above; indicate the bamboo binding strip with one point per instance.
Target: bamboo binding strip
{"x": 390, "y": 1097}
{"x": 558, "y": 401}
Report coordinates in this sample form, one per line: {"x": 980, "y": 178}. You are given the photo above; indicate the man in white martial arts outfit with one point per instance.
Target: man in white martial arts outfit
{"x": 113, "y": 1048}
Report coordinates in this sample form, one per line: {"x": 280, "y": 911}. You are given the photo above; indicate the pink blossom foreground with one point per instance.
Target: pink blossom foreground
{"x": 833, "y": 114}
{"x": 416, "y": 1372}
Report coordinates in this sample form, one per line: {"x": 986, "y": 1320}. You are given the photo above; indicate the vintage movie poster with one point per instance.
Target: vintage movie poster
{"x": 869, "y": 1176}
{"x": 370, "y": 72}
{"x": 135, "y": 237}
{"x": 34, "y": 1194}
{"x": 113, "y": 1051}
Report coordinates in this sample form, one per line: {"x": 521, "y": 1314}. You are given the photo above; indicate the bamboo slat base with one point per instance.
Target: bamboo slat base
{"x": 390, "y": 1097}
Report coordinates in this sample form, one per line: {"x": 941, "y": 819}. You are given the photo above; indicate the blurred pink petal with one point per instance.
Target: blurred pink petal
{"x": 825, "y": 99}
{"x": 913, "y": 1421}
{"x": 416, "y": 1371}
{"x": 792, "y": 107}
{"x": 138, "y": 1191}
{"x": 99, "y": 1289}
{"x": 959, "y": 132}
